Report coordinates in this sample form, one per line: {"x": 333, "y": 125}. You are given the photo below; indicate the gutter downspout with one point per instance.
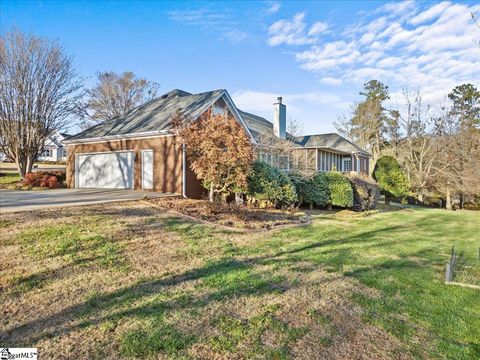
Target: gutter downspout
{"x": 184, "y": 172}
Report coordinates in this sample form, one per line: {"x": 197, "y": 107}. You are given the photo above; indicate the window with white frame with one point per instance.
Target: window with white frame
{"x": 47, "y": 153}
{"x": 347, "y": 164}
{"x": 64, "y": 152}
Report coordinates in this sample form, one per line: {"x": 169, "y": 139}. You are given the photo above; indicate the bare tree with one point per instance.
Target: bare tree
{"x": 115, "y": 94}
{"x": 294, "y": 127}
{"x": 39, "y": 90}
{"x": 420, "y": 148}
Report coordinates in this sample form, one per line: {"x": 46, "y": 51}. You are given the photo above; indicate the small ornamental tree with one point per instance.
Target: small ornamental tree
{"x": 391, "y": 178}
{"x": 219, "y": 151}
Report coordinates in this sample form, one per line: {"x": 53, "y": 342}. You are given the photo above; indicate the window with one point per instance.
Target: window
{"x": 283, "y": 162}
{"x": 47, "y": 153}
{"x": 347, "y": 164}
{"x": 64, "y": 152}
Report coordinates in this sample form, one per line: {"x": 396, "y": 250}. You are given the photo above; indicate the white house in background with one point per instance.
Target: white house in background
{"x": 54, "y": 149}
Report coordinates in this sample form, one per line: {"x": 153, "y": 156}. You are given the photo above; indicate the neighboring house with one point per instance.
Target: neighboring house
{"x": 54, "y": 150}
{"x": 141, "y": 150}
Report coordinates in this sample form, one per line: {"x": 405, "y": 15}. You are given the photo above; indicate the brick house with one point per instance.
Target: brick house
{"x": 141, "y": 150}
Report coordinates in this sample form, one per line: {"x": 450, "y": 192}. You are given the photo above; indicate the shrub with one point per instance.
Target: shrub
{"x": 322, "y": 187}
{"x": 340, "y": 190}
{"x": 268, "y": 186}
{"x": 44, "y": 179}
{"x": 365, "y": 193}
{"x": 391, "y": 178}
{"x": 306, "y": 190}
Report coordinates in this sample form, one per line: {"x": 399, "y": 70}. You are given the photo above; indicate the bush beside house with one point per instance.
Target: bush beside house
{"x": 366, "y": 193}
{"x": 268, "y": 186}
{"x": 340, "y": 190}
{"x": 308, "y": 192}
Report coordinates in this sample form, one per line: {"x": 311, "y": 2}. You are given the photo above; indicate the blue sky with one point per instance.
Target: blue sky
{"x": 315, "y": 54}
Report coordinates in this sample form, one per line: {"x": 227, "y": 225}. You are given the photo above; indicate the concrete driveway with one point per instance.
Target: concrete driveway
{"x": 13, "y": 200}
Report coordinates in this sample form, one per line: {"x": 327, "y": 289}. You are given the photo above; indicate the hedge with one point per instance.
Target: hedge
{"x": 268, "y": 186}
{"x": 307, "y": 190}
{"x": 340, "y": 190}
{"x": 365, "y": 193}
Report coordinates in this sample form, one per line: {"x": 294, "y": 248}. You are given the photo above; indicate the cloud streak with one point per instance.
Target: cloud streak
{"x": 295, "y": 31}
{"x": 210, "y": 21}
{"x": 405, "y": 44}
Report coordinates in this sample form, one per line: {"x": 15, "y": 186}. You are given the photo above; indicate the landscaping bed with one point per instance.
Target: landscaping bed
{"x": 40, "y": 180}
{"x": 231, "y": 215}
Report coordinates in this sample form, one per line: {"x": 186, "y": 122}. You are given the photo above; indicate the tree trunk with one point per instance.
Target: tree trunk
{"x": 24, "y": 165}
{"x": 448, "y": 200}
{"x": 420, "y": 197}
{"x": 210, "y": 193}
{"x": 239, "y": 199}
{"x": 462, "y": 201}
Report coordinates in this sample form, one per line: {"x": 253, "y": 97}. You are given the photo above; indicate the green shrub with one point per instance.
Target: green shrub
{"x": 306, "y": 190}
{"x": 391, "y": 178}
{"x": 268, "y": 186}
{"x": 365, "y": 193}
{"x": 321, "y": 183}
{"x": 340, "y": 190}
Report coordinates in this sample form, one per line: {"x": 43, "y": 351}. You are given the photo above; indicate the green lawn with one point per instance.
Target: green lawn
{"x": 128, "y": 279}
{"x": 8, "y": 177}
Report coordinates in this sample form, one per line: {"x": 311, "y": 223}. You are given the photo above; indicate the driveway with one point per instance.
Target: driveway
{"x": 11, "y": 200}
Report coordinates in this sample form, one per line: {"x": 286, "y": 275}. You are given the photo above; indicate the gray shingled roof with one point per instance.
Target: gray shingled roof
{"x": 155, "y": 115}
{"x": 331, "y": 141}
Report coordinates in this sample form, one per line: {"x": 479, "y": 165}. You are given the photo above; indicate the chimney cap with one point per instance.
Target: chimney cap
{"x": 279, "y": 99}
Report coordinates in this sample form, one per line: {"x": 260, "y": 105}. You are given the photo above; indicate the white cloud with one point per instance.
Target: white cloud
{"x": 274, "y": 7}
{"x": 404, "y": 44}
{"x": 318, "y": 28}
{"x": 262, "y": 102}
{"x": 295, "y": 31}
{"x": 430, "y": 13}
{"x": 330, "y": 81}
{"x": 211, "y": 21}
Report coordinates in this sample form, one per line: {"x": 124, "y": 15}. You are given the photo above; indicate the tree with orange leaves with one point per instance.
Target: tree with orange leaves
{"x": 219, "y": 151}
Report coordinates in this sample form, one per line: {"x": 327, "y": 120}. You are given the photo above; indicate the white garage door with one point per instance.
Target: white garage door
{"x": 110, "y": 170}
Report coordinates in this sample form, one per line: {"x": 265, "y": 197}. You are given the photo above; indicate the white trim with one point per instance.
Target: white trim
{"x": 233, "y": 108}
{"x": 105, "y": 152}
{"x": 343, "y": 163}
{"x": 184, "y": 171}
{"x": 141, "y": 161}
{"x": 152, "y": 134}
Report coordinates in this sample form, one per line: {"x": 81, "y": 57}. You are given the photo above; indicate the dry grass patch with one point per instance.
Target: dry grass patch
{"x": 128, "y": 280}
{"x": 231, "y": 215}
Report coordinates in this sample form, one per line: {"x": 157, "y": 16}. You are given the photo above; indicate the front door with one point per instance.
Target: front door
{"x": 147, "y": 169}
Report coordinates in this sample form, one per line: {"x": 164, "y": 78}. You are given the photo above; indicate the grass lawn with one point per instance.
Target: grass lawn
{"x": 129, "y": 280}
{"x": 8, "y": 177}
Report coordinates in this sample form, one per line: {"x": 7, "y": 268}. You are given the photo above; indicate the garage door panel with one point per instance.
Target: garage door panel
{"x": 112, "y": 170}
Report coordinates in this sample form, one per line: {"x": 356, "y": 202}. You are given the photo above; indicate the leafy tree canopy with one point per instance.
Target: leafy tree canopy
{"x": 390, "y": 177}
